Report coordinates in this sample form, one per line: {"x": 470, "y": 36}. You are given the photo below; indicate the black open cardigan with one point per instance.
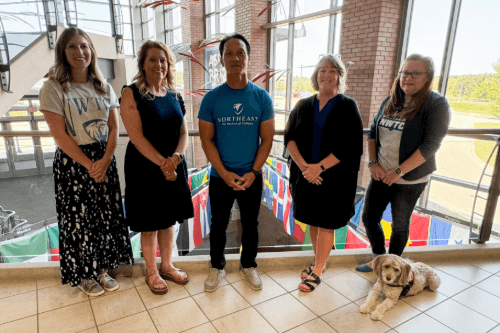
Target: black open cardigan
{"x": 343, "y": 137}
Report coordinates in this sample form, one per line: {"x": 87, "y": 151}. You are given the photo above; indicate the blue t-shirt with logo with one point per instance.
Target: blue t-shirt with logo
{"x": 236, "y": 115}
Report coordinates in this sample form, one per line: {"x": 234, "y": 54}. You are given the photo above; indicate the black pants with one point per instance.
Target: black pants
{"x": 221, "y": 201}
{"x": 403, "y": 199}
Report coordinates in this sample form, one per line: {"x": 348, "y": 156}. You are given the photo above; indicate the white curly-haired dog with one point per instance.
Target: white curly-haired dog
{"x": 397, "y": 277}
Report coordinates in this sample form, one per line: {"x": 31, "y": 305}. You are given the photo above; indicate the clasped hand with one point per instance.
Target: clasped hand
{"x": 168, "y": 167}
{"x": 311, "y": 173}
{"x": 98, "y": 170}
{"x": 386, "y": 177}
{"x": 238, "y": 183}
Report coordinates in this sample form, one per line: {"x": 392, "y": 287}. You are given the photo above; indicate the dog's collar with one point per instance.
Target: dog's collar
{"x": 406, "y": 288}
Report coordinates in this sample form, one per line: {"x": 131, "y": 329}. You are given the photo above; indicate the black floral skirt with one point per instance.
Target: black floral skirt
{"x": 92, "y": 233}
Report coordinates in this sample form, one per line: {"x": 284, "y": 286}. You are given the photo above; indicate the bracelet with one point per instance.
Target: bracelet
{"x": 372, "y": 163}
{"x": 178, "y": 154}
{"x": 255, "y": 172}
{"x": 322, "y": 167}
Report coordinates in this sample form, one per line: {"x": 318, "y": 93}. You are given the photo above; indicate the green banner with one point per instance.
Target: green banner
{"x": 340, "y": 238}
{"x": 27, "y": 248}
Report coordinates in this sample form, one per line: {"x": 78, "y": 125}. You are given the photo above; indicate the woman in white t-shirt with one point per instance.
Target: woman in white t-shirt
{"x": 80, "y": 108}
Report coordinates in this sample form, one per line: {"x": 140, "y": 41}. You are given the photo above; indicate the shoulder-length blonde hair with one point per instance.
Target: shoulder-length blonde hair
{"x": 395, "y": 104}
{"x": 61, "y": 70}
{"x": 140, "y": 79}
{"x": 335, "y": 62}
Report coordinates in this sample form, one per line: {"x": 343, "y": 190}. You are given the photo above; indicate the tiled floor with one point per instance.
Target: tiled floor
{"x": 467, "y": 301}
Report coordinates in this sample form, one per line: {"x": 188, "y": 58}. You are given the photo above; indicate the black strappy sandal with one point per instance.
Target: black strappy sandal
{"x": 307, "y": 282}
{"x": 309, "y": 270}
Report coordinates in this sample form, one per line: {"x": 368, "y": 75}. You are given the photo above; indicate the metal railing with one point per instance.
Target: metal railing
{"x": 487, "y": 134}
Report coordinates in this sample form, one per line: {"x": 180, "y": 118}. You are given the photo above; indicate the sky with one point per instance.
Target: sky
{"x": 477, "y": 45}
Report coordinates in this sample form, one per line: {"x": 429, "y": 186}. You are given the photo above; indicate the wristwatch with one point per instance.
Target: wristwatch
{"x": 399, "y": 172}
{"x": 322, "y": 167}
{"x": 255, "y": 172}
{"x": 372, "y": 163}
{"x": 178, "y": 154}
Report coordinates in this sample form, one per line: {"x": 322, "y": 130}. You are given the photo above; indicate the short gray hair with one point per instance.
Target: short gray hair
{"x": 335, "y": 62}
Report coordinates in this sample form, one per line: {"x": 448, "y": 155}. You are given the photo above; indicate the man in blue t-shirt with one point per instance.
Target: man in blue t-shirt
{"x": 236, "y": 130}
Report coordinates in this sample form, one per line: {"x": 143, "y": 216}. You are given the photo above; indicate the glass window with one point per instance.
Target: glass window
{"x": 303, "y": 7}
{"x": 227, "y": 22}
{"x": 101, "y": 28}
{"x": 127, "y": 31}
{"x": 338, "y": 29}
{"x": 280, "y": 62}
{"x": 281, "y": 10}
{"x": 93, "y": 11}
{"x": 128, "y": 47}
{"x": 126, "y": 14}
{"x": 209, "y": 6}
{"x": 429, "y": 18}
{"x": 220, "y": 20}
{"x": 309, "y": 46}
{"x": 179, "y": 76}
{"x": 176, "y": 16}
{"x": 475, "y": 68}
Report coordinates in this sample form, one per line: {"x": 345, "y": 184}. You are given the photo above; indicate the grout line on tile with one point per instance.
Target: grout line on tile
{"x": 37, "y": 320}
{"x": 482, "y": 314}
{"x": 147, "y": 310}
{"x": 493, "y": 328}
{"x": 93, "y": 316}
{"x": 456, "y": 277}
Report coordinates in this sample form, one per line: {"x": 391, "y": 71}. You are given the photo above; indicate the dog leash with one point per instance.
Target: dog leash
{"x": 406, "y": 288}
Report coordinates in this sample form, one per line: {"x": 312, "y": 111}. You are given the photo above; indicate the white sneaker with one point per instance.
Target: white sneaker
{"x": 107, "y": 282}
{"x": 91, "y": 288}
{"x": 252, "y": 278}
{"x": 213, "y": 279}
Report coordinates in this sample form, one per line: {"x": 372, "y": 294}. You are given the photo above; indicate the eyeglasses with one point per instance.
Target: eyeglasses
{"x": 413, "y": 74}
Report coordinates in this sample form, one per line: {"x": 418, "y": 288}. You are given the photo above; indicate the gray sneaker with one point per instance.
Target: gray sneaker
{"x": 91, "y": 288}
{"x": 252, "y": 278}
{"x": 107, "y": 282}
{"x": 213, "y": 279}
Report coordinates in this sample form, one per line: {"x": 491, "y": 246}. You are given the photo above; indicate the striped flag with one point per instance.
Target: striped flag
{"x": 355, "y": 240}
{"x": 29, "y": 248}
{"x": 53, "y": 234}
{"x": 340, "y": 238}
{"x": 136, "y": 245}
{"x": 419, "y": 230}
{"x": 287, "y": 211}
{"x": 299, "y": 231}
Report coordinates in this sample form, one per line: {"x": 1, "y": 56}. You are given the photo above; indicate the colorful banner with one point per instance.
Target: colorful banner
{"x": 53, "y": 234}
{"x": 30, "y": 248}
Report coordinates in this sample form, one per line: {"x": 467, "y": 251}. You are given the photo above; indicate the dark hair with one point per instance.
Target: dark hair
{"x": 238, "y": 36}
{"x": 396, "y": 101}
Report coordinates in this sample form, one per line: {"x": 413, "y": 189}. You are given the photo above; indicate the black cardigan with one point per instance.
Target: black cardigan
{"x": 425, "y": 131}
{"x": 342, "y": 135}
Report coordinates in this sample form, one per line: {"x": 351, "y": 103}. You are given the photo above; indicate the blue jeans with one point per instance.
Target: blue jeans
{"x": 403, "y": 199}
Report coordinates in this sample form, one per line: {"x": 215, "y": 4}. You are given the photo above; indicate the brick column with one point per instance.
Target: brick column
{"x": 193, "y": 33}
{"x": 370, "y": 37}
{"x": 250, "y": 25}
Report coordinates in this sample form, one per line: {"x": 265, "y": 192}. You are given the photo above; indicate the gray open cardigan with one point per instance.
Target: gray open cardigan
{"x": 425, "y": 131}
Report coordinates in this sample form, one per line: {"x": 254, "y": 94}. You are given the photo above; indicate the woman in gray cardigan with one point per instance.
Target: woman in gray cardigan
{"x": 403, "y": 140}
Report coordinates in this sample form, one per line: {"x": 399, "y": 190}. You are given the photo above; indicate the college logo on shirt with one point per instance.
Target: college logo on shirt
{"x": 238, "y": 119}
{"x": 238, "y": 108}
{"x": 392, "y": 123}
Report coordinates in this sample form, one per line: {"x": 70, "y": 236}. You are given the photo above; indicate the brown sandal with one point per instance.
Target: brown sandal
{"x": 156, "y": 291}
{"x": 167, "y": 276}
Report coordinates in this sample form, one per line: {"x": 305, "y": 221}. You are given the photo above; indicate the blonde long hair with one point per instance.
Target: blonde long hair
{"x": 61, "y": 70}
{"x": 395, "y": 105}
{"x": 140, "y": 79}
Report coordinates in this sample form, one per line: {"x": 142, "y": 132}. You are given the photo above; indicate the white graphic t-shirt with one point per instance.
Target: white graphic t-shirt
{"x": 390, "y": 130}
{"x": 85, "y": 112}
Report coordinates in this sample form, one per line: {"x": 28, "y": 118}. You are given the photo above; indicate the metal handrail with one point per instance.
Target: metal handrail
{"x": 487, "y": 134}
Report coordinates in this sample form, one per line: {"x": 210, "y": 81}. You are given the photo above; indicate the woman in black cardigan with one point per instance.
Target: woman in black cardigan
{"x": 402, "y": 143}
{"x": 324, "y": 136}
